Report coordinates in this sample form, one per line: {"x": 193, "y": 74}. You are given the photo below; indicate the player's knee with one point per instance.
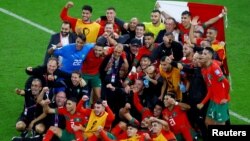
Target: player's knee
{"x": 40, "y": 128}
{"x": 54, "y": 129}
{"x": 208, "y": 121}
{"x": 20, "y": 126}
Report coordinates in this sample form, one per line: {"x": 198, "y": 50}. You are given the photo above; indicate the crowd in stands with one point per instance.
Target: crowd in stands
{"x": 111, "y": 80}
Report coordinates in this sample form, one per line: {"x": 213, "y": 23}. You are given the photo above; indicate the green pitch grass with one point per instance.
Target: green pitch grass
{"x": 22, "y": 45}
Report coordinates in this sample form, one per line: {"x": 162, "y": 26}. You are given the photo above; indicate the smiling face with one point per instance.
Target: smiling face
{"x": 149, "y": 40}
{"x": 156, "y": 127}
{"x": 110, "y": 14}
{"x": 131, "y": 131}
{"x": 139, "y": 31}
{"x": 75, "y": 79}
{"x": 211, "y": 34}
{"x": 61, "y": 99}
{"x": 132, "y": 24}
{"x": 145, "y": 62}
{"x": 185, "y": 20}
{"x": 157, "y": 111}
{"x": 52, "y": 65}
{"x": 98, "y": 50}
{"x": 155, "y": 18}
{"x": 86, "y": 15}
{"x": 70, "y": 106}
{"x": 36, "y": 87}
{"x": 79, "y": 43}
{"x": 98, "y": 109}
{"x": 65, "y": 29}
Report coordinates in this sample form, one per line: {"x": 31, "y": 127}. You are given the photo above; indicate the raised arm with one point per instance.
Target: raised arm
{"x": 20, "y": 91}
{"x": 215, "y": 19}
{"x": 65, "y": 17}
{"x": 41, "y": 95}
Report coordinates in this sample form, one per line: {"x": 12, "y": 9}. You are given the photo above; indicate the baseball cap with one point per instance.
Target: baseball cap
{"x": 135, "y": 42}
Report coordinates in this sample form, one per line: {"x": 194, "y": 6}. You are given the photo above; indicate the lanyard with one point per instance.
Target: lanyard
{"x": 27, "y": 108}
{"x": 56, "y": 120}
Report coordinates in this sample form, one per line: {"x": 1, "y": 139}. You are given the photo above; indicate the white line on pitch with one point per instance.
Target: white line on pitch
{"x": 232, "y": 113}
{"x": 26, "y": 21}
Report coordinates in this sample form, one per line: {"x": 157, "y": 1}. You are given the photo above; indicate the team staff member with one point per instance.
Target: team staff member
{"x": 60, "y": 39}
{"x": 32, "y": 111}
{"x": 84, "y": 25}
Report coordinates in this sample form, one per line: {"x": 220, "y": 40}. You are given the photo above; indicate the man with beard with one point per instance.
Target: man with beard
{"x": 155, "y": 25}
{"x": 147, "y": 47}
{"x": 60, "y": 39}
{"x": 32, "y": 111}
{"x": 83, "y": 25}
{"x": 168, "y": 47}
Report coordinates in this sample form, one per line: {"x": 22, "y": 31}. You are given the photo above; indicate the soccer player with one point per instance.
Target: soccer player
{"x": 155, "y": 25}
{"x": 110, "y": 17}
{"x": 175, "y": 115}
{"x": 101, "y": 115}
{"x": 131, "y": 134}
{"x": 75, "y": 119}
{"x": 159, "y": 130}
{"x": 73, "y": 54}
{"x": 171, "y": 78}
{"x": 84, "y": 25}
{"x": 147, "y": 47}
{"x": 218, "y": 90}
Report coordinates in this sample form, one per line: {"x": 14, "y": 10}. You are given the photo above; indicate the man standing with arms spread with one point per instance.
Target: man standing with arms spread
{"x": 73, "y": 54}
{"x": 218, "y": 90}
{"x": 84, "y": 25}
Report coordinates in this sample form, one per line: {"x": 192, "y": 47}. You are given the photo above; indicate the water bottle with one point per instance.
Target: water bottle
{"x": 113, "y": 78}
{"x": 146, "y": 83}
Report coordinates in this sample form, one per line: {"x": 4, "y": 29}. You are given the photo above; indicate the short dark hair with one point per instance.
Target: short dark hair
{"x": 186, "y": 13}
{"x": 169, "y": 33}
{"x": 210, "y": 50}
{"x": 99, "y": 101}
{"x": 146, "y": 56}
{"x": 77, "y": 72}
{"x": 111, "y": 8}
{"x": 156, "y": 11}
{"x": 134, "y": 125}
{"x": 87, "y": 7}
{"x": 159, "y": 103}
{"x": 141, "y": 25}
{"x": 81, "y": 36}
{"x": 67, "y": 22}
{"x": 149, "y": 34}
{"x": 73, "y": 99}
{"x": 171, "y": 94}
{"x": 163, "y": 58}
{"x": 213, "y": 28}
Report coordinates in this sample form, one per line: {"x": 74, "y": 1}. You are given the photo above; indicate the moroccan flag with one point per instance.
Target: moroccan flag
{"x": 204, "y": 11}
